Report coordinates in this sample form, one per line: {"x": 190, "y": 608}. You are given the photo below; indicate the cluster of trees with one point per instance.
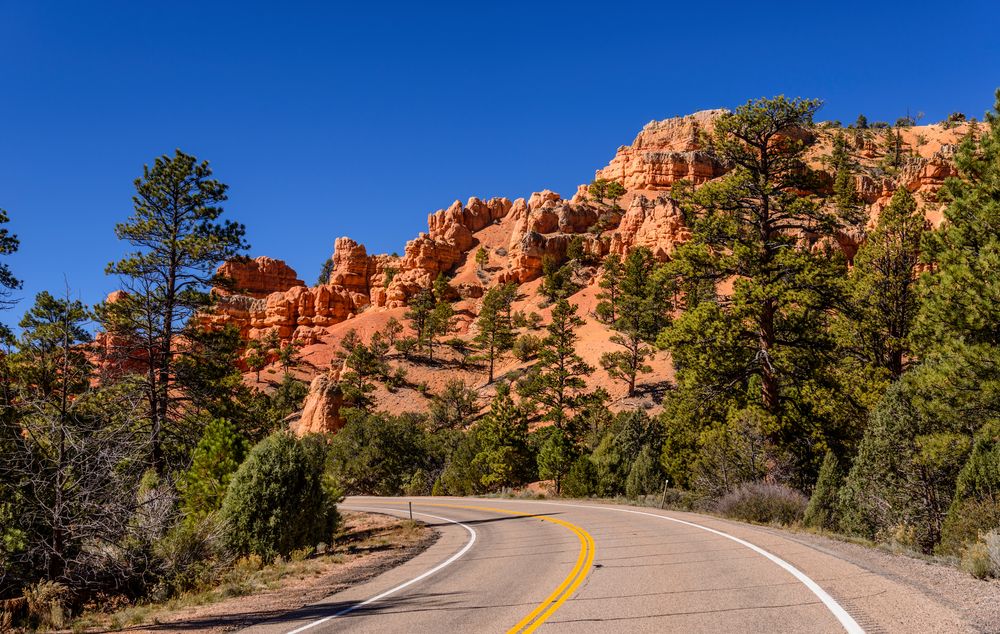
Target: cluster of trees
{"x": 869, "y": 385}
{"x": 128, "y": 462}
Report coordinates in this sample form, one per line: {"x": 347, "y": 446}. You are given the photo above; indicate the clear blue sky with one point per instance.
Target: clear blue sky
{"x": 359, "y": 118}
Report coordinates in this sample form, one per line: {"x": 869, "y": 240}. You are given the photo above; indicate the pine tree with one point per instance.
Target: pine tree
{"x": 213, "y": 463}
{"x": 421, "y": 306}
{"x": 179, "y": 243}
{"x": 503, "y": 437}
{"x": 822, "y": 509}
{"x": 767, "y": 338}
{"x": 8, "y": 246}
{"x": 882, "y": 288}
{"x": 645, "y": 476}
{"x": 556, "y": 381}
{"x": 644, "y": 304}
{"x": 611, "y": 269}
{"x": 957, "y": 328}
{"x": 555, "y": 457}
{"x": 495, "y": 334}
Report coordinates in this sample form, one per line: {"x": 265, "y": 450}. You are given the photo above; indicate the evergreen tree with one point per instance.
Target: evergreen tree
{"x": 421, "y": 306}
{"x": 768, "y": 340}
{"x": 325, "y": 272}
{"x": 645, "y": 476}
{"x": 495, "y": 334}
{"x": 213, "y": 463}
{"x": 644, "y": 305}
{"x": 555, "y": 457}
{"x": 279, "y": 499}
{"x": 882, "y": 288}
{"x": 503, "y": 436}
{"x": 556, "y": 381}
{"x": 822, "y": 509}
{"x": 455, "y": 407}
{"x": 611, "y": 269}
{"x": 8, "y": 246}
{"x": 957, "y": 328}
{"x": 255, "y": 359}
{"x": 179, "y": 243}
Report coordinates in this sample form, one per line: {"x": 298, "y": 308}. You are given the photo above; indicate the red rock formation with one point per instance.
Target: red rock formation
{"x": 321, "y": 409}
{"x": 655, "y": 224}
{"x": 665, "y": 152}
{"x": 258, "y": 277}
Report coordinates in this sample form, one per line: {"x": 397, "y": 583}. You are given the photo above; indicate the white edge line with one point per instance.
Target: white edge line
{"x": 447, "y": 562}
{"x": 846, "y": 620}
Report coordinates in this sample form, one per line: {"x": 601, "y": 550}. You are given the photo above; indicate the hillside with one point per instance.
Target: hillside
{"x": 365, "y": 291}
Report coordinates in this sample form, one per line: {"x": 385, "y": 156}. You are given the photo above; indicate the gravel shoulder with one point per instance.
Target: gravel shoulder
{"x": 976, "y": 602}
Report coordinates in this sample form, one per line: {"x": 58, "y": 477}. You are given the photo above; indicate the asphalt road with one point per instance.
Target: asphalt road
{"x": 512, "y": 565}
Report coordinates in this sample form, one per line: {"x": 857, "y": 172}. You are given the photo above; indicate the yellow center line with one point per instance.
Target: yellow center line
{"x": 564, "y": 590}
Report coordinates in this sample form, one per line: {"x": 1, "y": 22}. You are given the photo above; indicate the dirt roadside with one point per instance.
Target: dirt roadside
{"x": 371, "y": 545}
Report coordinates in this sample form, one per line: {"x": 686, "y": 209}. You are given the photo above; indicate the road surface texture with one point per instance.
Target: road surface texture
{"x": 518, "y": 565}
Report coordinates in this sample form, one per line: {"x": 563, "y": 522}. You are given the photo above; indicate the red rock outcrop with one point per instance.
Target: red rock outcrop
{"x": 665, "y": 152}
{"x": 321, "y": 409}
{"x": 655, "y": 224}
{"x": 258, "y": 277}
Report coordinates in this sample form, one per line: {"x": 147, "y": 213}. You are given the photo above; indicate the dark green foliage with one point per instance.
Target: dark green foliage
{"x": 556, "y": 382}
{"x": 904, "y": 473}
{"x": 581, "y": 480}
{"x": 611, "y": 279}
{"x": 454, "y": 407}
{"x": 8, "y": 246}
{"x": 643, "y": 307}
{"x": 882, "y": 293}
{"x": 975, "y": 508}
{"x": 279, "y": 499}
{"x": 216, "y": 458}
{"x": 603, "y": 188}
{"x": 768, "y": 343}
{"x": 630, "y": 434}
{"x": 645, "y": 476}
{"x": 555, "y": 457}
{"x": 378, "y": 454}
{"x": 503, "y": 443}
{"x": 823, "y": 505}
{"x": 325, "y": 271}
{"x": 557, "y": 281}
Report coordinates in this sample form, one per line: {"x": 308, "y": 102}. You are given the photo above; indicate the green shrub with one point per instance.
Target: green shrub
{"x": 763, "y": 503}
{"x": 965, "y": 521}
{"x": 279, "y": 499}
{"x": 526, "y": 346}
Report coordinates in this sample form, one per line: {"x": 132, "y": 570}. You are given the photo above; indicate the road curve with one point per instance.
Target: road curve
{"x": 517, "y": 566}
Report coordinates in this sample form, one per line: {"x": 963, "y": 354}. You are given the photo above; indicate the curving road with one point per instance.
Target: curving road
{"x": 514, "y": 566}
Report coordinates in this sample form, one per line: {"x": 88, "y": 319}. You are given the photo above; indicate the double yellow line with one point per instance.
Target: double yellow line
{"x": 565, "y": 590}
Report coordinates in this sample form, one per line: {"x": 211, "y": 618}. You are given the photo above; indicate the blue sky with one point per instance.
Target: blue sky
{"x": 358, "y": 119}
